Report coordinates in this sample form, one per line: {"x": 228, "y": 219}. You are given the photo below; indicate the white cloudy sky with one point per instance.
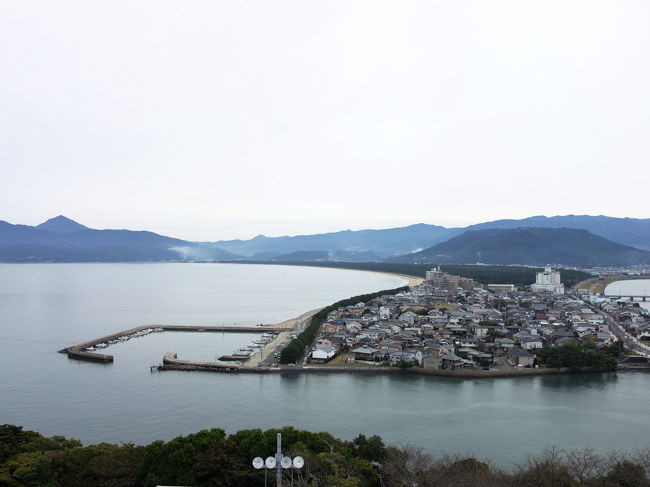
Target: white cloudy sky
{"x": 224, "y": 119}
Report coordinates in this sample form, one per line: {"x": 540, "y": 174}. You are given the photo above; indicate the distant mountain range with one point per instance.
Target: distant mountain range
{"x": 529, "y": 246}
{"x": 371, "y": 244}
{"x": 61, "y": 239}
{"x": 396, "y": 241}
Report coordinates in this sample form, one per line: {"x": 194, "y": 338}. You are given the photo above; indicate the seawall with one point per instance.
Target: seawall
{"x": 185, "y": 365}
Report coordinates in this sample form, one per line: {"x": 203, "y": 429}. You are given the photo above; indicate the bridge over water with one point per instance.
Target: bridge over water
{"x": 631, "y": 297}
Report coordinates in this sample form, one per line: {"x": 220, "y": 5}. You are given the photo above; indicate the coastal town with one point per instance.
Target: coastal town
{"x": 453, "y": 323}
{"x": 443, "y": 324}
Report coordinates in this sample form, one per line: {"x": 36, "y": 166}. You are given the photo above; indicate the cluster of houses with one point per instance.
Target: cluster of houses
{"x": 443, "y": 327}
{"x": 630, "y": 315}
{"x": 634, "y": 319}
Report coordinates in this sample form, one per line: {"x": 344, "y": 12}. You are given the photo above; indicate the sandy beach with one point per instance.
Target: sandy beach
{"x": 300, "y": 322}
{"x": 292, "y": 322}
{"x": 412, "y": 280}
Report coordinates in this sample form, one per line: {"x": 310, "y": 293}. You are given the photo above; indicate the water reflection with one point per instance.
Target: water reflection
{"x": 290, "y": 379}
{"x": 570, "y": 382}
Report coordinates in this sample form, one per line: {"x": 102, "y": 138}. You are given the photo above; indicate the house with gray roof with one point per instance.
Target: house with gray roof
{"x": 521, "y": 357}
{"x": 451, "y": 361}
{"x": 367, "y": 354}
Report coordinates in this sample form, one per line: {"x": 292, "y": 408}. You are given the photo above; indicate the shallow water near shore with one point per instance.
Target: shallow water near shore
{"x": 44, "y": 307}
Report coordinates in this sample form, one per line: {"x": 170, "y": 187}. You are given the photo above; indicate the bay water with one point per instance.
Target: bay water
{"x": 45, "y": 307}
{"x": 632, "y": 287}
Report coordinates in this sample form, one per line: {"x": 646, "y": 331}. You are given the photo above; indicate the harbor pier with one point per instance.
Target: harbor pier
{"x": 86, "y": 350}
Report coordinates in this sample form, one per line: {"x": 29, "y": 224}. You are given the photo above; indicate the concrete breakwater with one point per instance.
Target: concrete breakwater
{"x": 234, "y": 358}
{"x": 172, "y": 359}
{"x": 80, "y": 352}
{"x": 188, "y": 365}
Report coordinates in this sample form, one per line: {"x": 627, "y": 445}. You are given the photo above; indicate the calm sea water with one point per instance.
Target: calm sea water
{"x": 46, "y": 307}
{"x": 640, "y": 287}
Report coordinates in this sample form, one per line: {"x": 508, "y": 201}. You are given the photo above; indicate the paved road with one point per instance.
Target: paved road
{"x": 619, "y": 332}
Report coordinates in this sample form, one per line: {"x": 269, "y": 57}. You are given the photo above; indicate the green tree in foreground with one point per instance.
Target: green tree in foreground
{"x": 211, "y": 458}
{"x": 14, "y": 440}
{"x": 172, "y": 462}
{"x": 371, "y": 448}
{"x": 576, "y": 355}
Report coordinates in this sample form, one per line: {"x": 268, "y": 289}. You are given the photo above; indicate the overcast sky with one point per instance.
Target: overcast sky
{"x": 208, "y": 120}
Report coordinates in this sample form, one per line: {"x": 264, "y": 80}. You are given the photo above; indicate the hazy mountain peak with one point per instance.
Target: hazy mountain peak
{"x": 61, "y": 224}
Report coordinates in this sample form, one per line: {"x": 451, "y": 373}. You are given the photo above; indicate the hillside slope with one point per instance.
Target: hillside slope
{"x": 529, "y": 246}
{"x": 634, "y": 232}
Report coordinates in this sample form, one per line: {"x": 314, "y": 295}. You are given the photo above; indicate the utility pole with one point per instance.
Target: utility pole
{"x": 279, "y": 463}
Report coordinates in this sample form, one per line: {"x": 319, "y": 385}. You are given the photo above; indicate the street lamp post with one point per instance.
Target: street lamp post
{"x": 279, "y": 463}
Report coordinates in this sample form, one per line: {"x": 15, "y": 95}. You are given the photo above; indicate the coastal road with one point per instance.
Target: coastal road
{"x": 619, "y": 332}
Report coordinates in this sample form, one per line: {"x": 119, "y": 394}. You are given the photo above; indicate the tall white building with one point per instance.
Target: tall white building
{"x": 434, "y": 273}
{"x": 548, "y": 281}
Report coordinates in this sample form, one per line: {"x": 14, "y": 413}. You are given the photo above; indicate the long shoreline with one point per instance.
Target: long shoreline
{"x": 411, "y": 280}
{"x": 598, "y": 286}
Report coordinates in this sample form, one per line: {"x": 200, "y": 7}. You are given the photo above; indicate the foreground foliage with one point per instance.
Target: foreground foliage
{"x": 206, "y": 458}
{"x": 213, "y": 458}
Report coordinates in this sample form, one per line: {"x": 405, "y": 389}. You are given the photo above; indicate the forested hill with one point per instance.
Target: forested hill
{"x": 634, "y": 232}
{"x": 214, "y": 458}
{"x": 530, "y": 246}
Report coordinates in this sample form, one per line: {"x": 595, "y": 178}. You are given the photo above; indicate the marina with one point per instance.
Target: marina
{"x": 87, "y": 350}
